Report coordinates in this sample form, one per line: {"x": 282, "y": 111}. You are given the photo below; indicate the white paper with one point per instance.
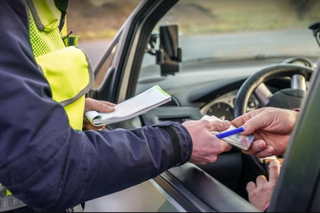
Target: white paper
{"x": 91, "y": 115}
{"x": 131, "y": 108}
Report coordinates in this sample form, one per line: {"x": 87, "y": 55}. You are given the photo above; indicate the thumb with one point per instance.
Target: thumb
{"x": 218, "y": 126}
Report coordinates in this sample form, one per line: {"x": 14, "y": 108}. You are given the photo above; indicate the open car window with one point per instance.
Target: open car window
{"x": 212, "y": 31}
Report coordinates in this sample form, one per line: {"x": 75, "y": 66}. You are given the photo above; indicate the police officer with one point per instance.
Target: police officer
{"x": 46, "y": 162}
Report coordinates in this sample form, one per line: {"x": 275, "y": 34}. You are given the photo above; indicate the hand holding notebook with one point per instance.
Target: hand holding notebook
{"x": 131, "y": 108}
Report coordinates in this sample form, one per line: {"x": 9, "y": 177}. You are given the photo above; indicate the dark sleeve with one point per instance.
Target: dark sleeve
{"x": 47, "y": 164}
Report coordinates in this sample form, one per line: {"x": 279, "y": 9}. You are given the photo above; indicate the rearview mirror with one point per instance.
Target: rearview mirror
{"x": 169, "y": 56}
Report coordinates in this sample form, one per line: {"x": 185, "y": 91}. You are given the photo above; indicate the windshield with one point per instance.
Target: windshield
{"x": 228, "y": 29}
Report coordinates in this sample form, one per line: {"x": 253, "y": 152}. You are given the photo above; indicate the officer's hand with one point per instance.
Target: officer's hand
{"x": 206, "y": 146}
{"x": 99, "y": 106}
{"x": 272, "y": 128}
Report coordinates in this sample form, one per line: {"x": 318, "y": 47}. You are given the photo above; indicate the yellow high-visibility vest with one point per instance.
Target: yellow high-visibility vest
{"x": 66, "y": 68}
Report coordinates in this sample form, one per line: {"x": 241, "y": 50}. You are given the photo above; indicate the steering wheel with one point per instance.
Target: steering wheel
{"x": 282, "y": 99}
{"x": 288, "y": 98}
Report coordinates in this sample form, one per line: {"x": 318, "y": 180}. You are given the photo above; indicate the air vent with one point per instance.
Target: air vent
{"x": 173, "y": 103}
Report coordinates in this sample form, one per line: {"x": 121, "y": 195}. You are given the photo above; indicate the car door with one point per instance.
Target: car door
{"x": 298, "y": 185}
{"x": 177, "y": 189}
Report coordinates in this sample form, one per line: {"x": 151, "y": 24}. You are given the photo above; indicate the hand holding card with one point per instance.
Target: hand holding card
{"x": 233, "y": 137}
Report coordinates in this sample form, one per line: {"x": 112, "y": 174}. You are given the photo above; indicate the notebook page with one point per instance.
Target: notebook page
{"x": 134, "y": 107}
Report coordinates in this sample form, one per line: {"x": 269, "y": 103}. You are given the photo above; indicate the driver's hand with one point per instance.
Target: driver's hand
{"x": 206, "y": 146}
{"x": 260, "y": 193}
{"x": 99, "y": 106}
{"x": 272, "y": 128}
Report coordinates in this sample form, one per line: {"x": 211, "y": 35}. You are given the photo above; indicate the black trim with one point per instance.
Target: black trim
{"x": 108, "y": 53}
{"x": 194, "y": 189}
{"x": 62, "y": 5}
{"x": 181, "y": 194}
{"x": 125, "y": 45}
{"x": 122, "y": 42}
{"x": 177, "y": 160}
{"x": 104, "y": 92}
{"x": 149, "y": 23}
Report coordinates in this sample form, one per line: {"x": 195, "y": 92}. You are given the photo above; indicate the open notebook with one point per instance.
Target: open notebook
{"x": 131, "y": 108}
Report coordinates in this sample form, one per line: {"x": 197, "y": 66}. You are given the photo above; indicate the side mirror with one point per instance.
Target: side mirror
{"x": 170, "y": 55}
{"x": 316, "y": 31}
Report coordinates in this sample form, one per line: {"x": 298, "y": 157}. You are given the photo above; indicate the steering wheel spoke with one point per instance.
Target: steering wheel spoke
{"x": 299, "y": 82}
{"x": 263, "y": 95}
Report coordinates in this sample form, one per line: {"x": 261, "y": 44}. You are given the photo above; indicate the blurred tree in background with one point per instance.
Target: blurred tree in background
{"x": 92, "y": 19}
{"x": 102, "y": 19}
{"x": 303, "y": 7}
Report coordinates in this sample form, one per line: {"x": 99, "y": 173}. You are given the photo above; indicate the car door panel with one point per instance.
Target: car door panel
{"x": 209, "y": 193}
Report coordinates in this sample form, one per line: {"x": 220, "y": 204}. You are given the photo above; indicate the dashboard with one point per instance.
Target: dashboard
{"x": 206, "y": 88}
{"x": 223, "y": 107}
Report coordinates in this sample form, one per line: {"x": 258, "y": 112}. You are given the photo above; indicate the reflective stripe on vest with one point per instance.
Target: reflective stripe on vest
{"x": 67, "y": 69}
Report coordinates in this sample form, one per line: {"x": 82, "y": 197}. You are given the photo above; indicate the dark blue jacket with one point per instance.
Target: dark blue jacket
{"x": 47, "y": 164}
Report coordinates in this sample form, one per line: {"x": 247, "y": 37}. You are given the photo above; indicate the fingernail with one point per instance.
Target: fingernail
{"x": 270, "y": 151}
{"x": 244, "y": 130}
{"x": 261, "y": 146}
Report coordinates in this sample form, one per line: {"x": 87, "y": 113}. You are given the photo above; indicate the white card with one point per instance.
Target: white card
{"x": 240, "y": 141}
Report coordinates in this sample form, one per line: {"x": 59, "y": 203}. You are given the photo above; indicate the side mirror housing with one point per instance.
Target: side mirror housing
{"x": 169, "y": 55}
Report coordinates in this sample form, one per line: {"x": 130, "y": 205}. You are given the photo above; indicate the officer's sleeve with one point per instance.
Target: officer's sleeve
{"x": 47, "y": 164}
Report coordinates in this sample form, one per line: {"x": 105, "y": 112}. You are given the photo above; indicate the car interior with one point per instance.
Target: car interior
{"x": 150, "y": 50}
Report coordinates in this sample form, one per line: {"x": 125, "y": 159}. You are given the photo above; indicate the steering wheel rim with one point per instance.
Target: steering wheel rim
{"x": 252, "y": 83}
